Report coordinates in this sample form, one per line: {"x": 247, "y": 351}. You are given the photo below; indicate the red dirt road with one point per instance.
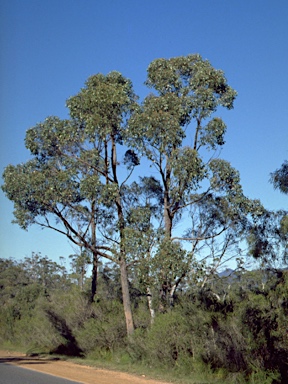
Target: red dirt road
{"x": 71, "y": 371}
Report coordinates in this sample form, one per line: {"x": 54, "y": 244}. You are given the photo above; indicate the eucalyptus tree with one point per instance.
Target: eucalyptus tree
{"x": 268, "y": 238}
{"x": 81, "y": 183}
{"x": 79, "y": 264}
{"x": 177, "y": 131}
{"x": 45, "y": 272}
{"x": 72, "y": 184}
{"x": 279, "y": 178}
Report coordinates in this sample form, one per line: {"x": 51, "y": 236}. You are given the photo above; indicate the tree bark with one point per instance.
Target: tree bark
{"x": 151, "y": 310}
{"x": 94, "y": 277}
{"x": 95, "y": 255}
{"x": 126, "y": 298}
{"x": 122, "y": 258}
{"x": 167, "y": 220}
{"x": 167, "y": 209}
{"x": 171, "y": 295}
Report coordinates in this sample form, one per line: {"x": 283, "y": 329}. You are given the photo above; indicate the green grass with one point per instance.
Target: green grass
{"x": 198, "y": 373}
{"x": 122, "y": 362}
{"x": 201, "y": 374}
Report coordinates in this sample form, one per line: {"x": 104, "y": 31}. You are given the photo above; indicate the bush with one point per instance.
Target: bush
{"x": 31, "y": 330}
{"x": 165, "y": 343}
{"x": 224, "y": 346}
{"x": 106, "y": 330}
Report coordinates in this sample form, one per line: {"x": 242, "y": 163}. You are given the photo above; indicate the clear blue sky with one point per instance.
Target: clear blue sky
{"x": 50, "y": 47}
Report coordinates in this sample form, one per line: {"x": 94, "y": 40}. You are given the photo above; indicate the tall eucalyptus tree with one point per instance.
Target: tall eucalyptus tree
{"x": 80, "y": 180}
{"x": 177, "y": 131}
{"x": 72, "y": 185}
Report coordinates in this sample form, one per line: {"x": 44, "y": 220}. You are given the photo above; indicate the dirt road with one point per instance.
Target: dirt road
{"x": 68, "y": 370}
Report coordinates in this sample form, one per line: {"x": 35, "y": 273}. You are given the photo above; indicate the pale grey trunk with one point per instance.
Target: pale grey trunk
{"x": 122, "y": 259}
{"x": 95, "y": 255}
{"x": 172, "y": 292}
{"x": 150, "y": 305}
{"x": 126, "y": 298}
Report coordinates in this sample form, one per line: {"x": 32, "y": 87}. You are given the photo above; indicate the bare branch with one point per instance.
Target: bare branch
{"x": 199, "y": 238}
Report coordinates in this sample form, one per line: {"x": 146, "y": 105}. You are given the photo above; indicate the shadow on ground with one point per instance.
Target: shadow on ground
{"x": 27, "y": 360}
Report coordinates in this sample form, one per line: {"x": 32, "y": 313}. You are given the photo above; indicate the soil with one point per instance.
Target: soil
{"x": 68, "y": 370}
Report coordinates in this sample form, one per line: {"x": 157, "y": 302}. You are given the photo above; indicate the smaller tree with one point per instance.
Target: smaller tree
{"x": 72, "y": 184}
{"x": 79, "y": 264}
{"x": 45, "y": 272}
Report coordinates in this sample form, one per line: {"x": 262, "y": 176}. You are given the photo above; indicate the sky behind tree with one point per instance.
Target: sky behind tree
{"x": 50, "y": 48}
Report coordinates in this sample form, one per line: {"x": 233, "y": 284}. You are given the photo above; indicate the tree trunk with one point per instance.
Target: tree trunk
{"x": 151, "y": 310}
{"x": 167, "y": 214}
{"x": 167, "y": 221}
{"x": 95, "y": 255}
{"x": 166, "y": 178}
{"x": 122, "y": 258}
{"x": 94, "y": 276}
{"x": 172, "y": 292}
{"x": 126, "y": 298}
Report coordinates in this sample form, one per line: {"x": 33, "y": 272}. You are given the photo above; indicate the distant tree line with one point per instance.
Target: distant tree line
{"x": 231, "y": 330}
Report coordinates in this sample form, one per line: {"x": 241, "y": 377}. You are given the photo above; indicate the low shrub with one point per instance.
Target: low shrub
{"x": 105, "y": 330}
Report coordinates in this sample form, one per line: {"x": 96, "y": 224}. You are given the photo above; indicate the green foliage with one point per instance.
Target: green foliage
{"x": 193, "y": 77}
{"x": 34, "y": 331}
{"x": 79, "y": 180}
{"x": 262, "y": 318}
{"x": 242, "y": 337}
{"x": 169, "y": 263}
{"x": 105, "y": 331}
{"x": 279, "y": 178}
{"x": 213, "y": 134}
{"x": 267, "y": 238}
{"x": 188, "y": 169}
{"x": 79, "y": 183}
{"x": 24, "y": 286}
{"x": 196, "y": 185}
{"x": 102, "y": 104}
{"x": 230, "y": 331}
{"x": 79, "y": 264}
{"x": 147, "y": 345}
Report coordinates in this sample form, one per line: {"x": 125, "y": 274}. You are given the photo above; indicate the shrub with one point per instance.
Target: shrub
{"x": 165, "y": 343}
{"x": 105, "y": 330}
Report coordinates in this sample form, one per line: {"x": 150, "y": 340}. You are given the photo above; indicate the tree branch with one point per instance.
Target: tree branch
{"x": 199, "y": 238}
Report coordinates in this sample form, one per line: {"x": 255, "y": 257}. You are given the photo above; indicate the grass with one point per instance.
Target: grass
{"x": 200, "y": 374}
{"x": 197, "y": 373}
{"x": 122, "y": 362}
